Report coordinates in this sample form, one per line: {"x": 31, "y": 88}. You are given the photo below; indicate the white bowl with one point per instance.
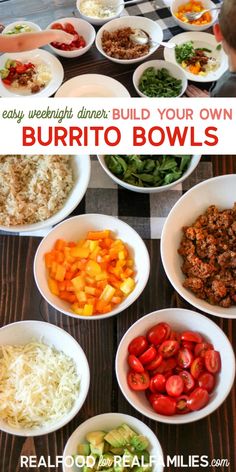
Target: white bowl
{"x": 106, "y": 422}
{"x": 219, "y": 191}
{"x": 24, "y": 332}
{"x": 192, "y": 166}
{"x": 188, "y": 26}
{"x": 101, "y": 21}
{"x": 180, "y": 320}
{"x": 75, "y": 229}
{"x": 92, "y": 85}
{"x": 33, "y": 26}
{"x": 83, "y": 28}
{"x": 174, "y": 70}
{"x": 149, "y": 26}
{"x": 81, "y": 167}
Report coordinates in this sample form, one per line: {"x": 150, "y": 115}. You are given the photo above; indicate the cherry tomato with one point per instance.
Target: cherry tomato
{"x": 197, "y": 367}
{"x": 191, "y": 336}
{"x": 174, "y": 386}
{"x": 188, "y": 344}
{"x": 137, "y": 346}
{"x": 158, "y": 383}
{"x": 57, "y": 26}
{"x": 164, "y": 405}
{"x": 69, "y": 28}
{"x": 148, "y": 355}
{"x": 201, "y": 348}
{"x": 6, "y": 81}
{"x": 182, "y": 405}
{"x": 168, "y": 348}
{"x": 212, "y": 361}
{"x": 137, "y": 381}
{"x": 155, "y": 363}
{"x": 188, "y": 380}
{"x": 198, "y": 399}
{"x": 174, "y": 336}
{"x": 158, "y": 333}
{"x": 135, "y": 364}
{"x": 207, "y": 381}
{"x": 154, "y": 396}
{"x": 185, "y": 358}
{"x": 21, "y": 69}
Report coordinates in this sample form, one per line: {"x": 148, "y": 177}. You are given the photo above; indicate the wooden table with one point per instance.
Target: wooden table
{"x": 20, "y": 299}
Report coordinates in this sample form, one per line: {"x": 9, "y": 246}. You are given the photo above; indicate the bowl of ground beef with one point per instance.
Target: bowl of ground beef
{"x": 198, "y": 246}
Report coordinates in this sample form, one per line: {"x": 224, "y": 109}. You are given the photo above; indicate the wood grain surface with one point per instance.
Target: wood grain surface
{"x": 213, "y": 436}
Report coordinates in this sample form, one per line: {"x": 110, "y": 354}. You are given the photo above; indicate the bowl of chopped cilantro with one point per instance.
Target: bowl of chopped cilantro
{"x": 159, "y": 79}
{"x": 149, "y": 173}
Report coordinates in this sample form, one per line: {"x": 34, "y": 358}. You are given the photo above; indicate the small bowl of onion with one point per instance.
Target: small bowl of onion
{"x": 44, "y": 380}
{"x": 99, "y": 12}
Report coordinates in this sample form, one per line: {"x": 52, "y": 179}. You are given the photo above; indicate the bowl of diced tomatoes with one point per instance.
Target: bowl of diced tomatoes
{"x": 91, "y": 266}
{"x": 179, "y": 8}
{"x": 175, "y": 366}
{"x": 84, "y": 36}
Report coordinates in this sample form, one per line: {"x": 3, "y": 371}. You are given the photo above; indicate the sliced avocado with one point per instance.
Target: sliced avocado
{"x": 142, "y": 455}
{"x": 144, "y": 468}
{"x": 105, "y": 461}
{"x": 117, "y": 450}
{"x": 10, "y": 63}
{"x": 95, "y": 437}
{"x": 83, "y": 449}
{"x": 97, "y": 450}
{"x": 107, "y": 447}
{"x": 127, "y": 432}
{"x": 118, "y": 468}
{"x": 4, "y": 73}
{"x": 139, "y": 442}
{"x": 128, "y": 458}
{"x": 88, "y": 469}
{"x": 115, "y": 439}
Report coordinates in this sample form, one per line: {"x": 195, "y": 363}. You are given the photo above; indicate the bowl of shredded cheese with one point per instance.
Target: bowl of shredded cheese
{"x": 44, "y": 378}
{"x": 99, "y": 12}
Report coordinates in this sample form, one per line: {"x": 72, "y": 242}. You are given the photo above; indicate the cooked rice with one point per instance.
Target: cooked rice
{"x": 33, "y": 188}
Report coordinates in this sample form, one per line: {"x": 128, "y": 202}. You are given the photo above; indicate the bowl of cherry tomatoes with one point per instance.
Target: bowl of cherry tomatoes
{"x": 84, "y": 36}
{"x": 175, "y": 366}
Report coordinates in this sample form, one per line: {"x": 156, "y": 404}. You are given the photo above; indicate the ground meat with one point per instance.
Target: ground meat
{"x": 119, "y": 45}
{"x": 208, "y": 248}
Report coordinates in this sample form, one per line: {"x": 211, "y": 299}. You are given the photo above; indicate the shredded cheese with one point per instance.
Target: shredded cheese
{"x": 38, "y": 385}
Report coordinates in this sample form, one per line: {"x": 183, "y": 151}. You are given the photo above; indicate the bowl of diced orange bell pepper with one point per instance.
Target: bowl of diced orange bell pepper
{"x": 179, "y": 8}
{"x": 91, "y": 266}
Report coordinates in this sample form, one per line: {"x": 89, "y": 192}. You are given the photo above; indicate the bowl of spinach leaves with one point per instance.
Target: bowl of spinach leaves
{"x": 148, "y": 173}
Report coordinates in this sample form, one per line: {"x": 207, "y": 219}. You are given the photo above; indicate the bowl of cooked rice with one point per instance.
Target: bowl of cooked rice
{"x": 39, "y": 191}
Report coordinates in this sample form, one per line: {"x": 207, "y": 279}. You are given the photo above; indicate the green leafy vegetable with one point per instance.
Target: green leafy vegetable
{"x": 159, "y": 83}
{"x": 148, "y": 171}
{"x": 184, "y": 51}
{"x": 218, "y": 47}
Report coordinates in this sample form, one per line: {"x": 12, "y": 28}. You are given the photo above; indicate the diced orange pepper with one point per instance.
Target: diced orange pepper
{"x": 60, "y": 244}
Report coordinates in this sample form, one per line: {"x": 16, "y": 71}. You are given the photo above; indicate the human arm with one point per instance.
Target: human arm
{"x": 27, "y": 41}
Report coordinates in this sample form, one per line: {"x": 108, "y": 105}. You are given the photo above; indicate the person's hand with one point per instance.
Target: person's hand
{"x": 62, "y": 37}
{"x": 193, "y": 91}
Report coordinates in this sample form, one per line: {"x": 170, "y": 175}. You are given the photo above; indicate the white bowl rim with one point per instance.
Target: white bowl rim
{"x": 23, "y": 22}
{"x": 120, "y": 9}
{"x": 125, "y": 417}
{"x": 85, "y": 48}
{"x": 179, "y": 419}
{"x": 117, "y": 310}
{"x": 53, "y": 220}
{"x": 148, "y": 189}
{"x": 179, "y": 288}
{"x": 70, "y": 415}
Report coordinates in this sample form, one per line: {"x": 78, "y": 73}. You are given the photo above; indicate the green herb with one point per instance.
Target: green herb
{"x": 159, "y": 83}
{"x": 218, "y": 47}
{"x": 203, "y": 49}
{"x": 184, "y": 51}
{"x": 148, "y": 171}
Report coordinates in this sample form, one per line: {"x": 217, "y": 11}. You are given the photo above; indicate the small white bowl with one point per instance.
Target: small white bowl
{"x": 149, "y": 26}
{"x": 33, "y": 26}
{"x": 188, "y": 26}
{"x": 81, "y": 168}
{"x": 219, "y": 191}
{"x": 192, "y": 166}
{"x": 180, "y": 320}
{"x": 76, "y": 228}
{"x": 176, "y": 71}
{"x": 106, "y": 422}
{"x": 24, "y": 332}
{"x": 83, "y": 28}
{"x": 101, "y": 21}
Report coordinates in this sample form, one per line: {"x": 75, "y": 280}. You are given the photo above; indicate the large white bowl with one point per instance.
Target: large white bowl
{"x": 180, "y": 320}
{"x": 219, "y": 191}
{"x": 75, "y": 229}
{"x": 101, "y": 21}
{"x": 149, "y": 26}
{"x": 81, "y": 167}
{"x": 188, "y": 26}
{"x": 174, "y": 70}
{"x": 106, "y": 422}
{"x": 24, "y": 332}
{"x": 92, "y": 85}
{"x": 33, "y": 26}
{"x": 83, "y": 28}
{"x": 192, "y": 166}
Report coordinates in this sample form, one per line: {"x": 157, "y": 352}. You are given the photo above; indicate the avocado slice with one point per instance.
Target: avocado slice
{"x": 139, "y": 442}
{"x": 83, "y": 449}
{"x": 128, "y": 458}
{"x": 97, "y": 450}
{"x": 105, "y": 461}
{"x": 127, "y": 431}
{"x": 4, "y": 73}
{"x": 95, "y": 437}
{"x": 117, "y": 450}
{"x": 10, "y": 63}
{"x": 115, "y": 439}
